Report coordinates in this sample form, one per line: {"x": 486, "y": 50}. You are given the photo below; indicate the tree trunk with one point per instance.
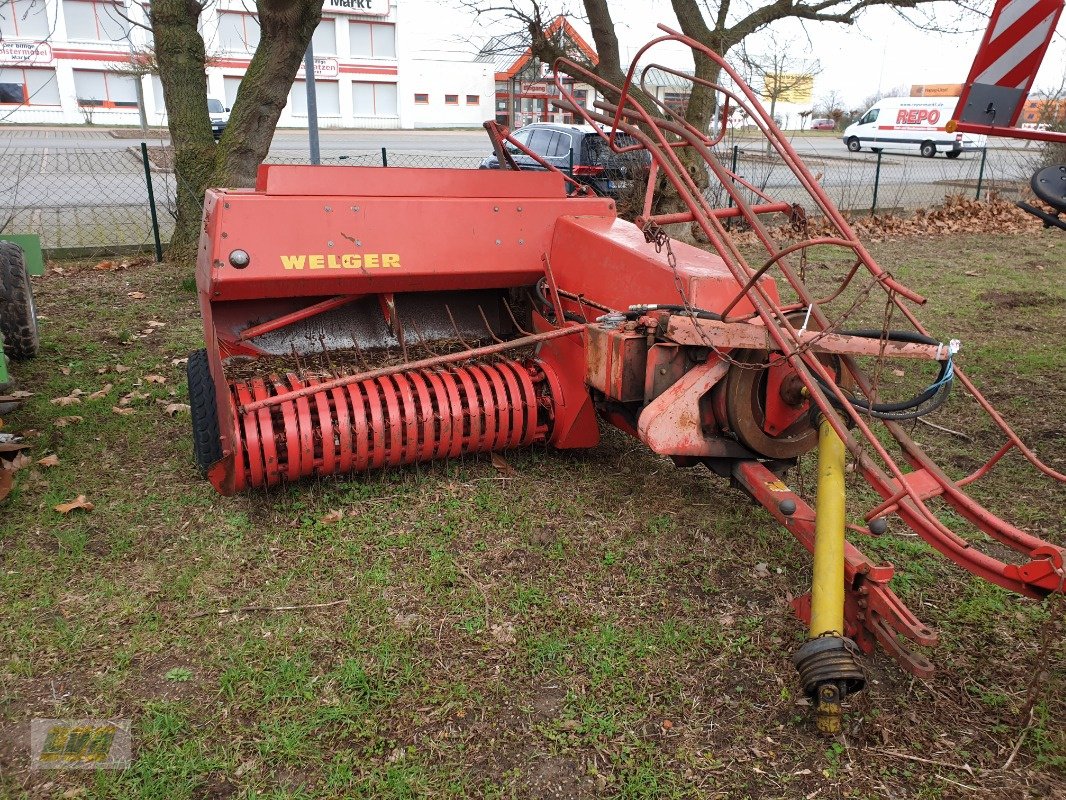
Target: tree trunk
{"x": 180, "y": 52}
{"x": 286, "y": 30}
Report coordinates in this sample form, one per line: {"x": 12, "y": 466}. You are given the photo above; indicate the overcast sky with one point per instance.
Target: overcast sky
{"x": 880, "y": 51}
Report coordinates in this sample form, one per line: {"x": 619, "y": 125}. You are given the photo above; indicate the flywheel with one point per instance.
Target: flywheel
{"x": 767, "y": 404}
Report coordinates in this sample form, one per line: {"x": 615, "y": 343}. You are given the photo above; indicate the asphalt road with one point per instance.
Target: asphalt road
{"x": 59, "y": 180}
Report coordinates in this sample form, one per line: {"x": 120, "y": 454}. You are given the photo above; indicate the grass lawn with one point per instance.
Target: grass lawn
{"x": 596, "y": 624}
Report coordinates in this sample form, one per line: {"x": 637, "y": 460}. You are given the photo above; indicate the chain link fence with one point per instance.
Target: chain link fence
{"x": 89, "y": 202}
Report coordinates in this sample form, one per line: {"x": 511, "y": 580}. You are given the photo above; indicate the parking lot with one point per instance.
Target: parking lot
{"x": 85, "y": 188}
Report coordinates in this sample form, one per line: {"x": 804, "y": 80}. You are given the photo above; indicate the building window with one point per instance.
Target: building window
{"x": 105, "y": 89}
{"x": 421, "y": 99}
{"x": 28, "y": 86}
{"x": 327, "y": 98}
{"x": 24, "y": 19}
{"x": 373, "y": 39}
{"x": 95, "y": 21}
{"x": 451, "y": 99}
{"x": 473, "y": 100}
{"x": 231, "y": 84}
{"x": 324, "y": 42}
{"x": 237, "y": 33}
{"x": 375, "y": 99}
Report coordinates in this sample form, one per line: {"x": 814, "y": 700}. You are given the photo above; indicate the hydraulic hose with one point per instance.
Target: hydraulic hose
{"x": 924, "y": 403}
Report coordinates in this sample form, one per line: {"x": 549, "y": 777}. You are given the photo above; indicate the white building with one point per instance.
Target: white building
{"x": 58, "y": 61}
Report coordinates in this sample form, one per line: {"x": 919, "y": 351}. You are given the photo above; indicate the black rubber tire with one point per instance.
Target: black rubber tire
{"x": 928, "y": 150}
{"x": 854, "y": 145}
{"x": 206, "y": 444}
{"x": 18, "y": 315}
{"x": 953, "y": 153}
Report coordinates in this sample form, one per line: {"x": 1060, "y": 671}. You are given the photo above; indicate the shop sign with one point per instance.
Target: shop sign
{"x": 25, "y": 53}
{"x": 377, "y": 8}
{"x": 325, "y": 68}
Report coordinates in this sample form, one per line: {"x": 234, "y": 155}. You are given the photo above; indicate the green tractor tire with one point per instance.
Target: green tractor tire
{"x": 18, "y": 316}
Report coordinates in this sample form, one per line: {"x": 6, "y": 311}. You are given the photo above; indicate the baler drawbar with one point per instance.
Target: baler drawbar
{"x": 361, "y": 318}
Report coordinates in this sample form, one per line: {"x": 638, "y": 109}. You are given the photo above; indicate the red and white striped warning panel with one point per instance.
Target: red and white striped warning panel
{"x": 1007, "y": 61}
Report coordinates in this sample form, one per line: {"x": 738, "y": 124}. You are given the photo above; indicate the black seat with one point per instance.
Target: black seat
{"x": 1049, "y": 184}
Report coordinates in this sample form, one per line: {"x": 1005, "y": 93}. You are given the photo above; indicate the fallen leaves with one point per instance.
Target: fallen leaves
{"x": 173, "y": 409}
{"x": 62, "y": 422}
{"x": 336, "y": 515}
{"x": 49, "y": 461}
{"x": 115, "y": 266}
{"x": 132, "y": 397}
{"x": 154, "y": 379}
{"x": 123, "y": 411}
{"x": 957, "y": 214}
{"x": 69, "y": 400}
{"x": 20, "y": 461}
{"x": 136, "y": 295}
{"x": 501, "y": 465}
{"x": 102, "y": 392}
{"x": 79, "y": 503}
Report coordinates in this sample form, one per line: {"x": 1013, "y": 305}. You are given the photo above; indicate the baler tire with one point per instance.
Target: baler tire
{"x": 206, "y": 444}
{"x": 18, "y": 314}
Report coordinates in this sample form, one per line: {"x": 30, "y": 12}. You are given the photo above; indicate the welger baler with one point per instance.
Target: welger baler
{"x": 365, "y": 318}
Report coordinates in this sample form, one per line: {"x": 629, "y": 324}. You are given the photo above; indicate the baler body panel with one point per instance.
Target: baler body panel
{"x": 610, "y": 260}
{"x": 341, "y": 243}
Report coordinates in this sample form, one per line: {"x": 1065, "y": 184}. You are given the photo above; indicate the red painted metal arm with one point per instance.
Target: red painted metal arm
{"x": 872, "y": 610}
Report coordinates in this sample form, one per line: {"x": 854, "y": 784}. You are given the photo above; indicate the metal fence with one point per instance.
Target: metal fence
{"x": 88, "y": 201}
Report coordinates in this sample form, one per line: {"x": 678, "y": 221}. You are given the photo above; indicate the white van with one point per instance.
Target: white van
{"x": 910, "y": 123}
{"x": 219, "y": 115}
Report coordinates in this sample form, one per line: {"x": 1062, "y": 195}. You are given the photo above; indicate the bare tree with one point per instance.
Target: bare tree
{"x": 830, "y": 105}
{"x": 719, "y": 25}
{"x": 783, "y": 76}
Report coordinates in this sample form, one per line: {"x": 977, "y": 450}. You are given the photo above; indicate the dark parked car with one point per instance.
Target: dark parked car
{"x": 582, "y": 149}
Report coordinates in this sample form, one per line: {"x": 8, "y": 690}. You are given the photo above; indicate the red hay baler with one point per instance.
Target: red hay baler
{"x": 362, "y": 318}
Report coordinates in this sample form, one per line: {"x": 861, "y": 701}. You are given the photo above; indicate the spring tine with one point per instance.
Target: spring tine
{"x": 455, "y": 328}
{"x": 518, "y": 327}
{"x": 399, "y": 333}
{"x": 296, "y": 358}
{"x": 422, "y": 340}
{"x": 325, "y": 352}
{"x": 488, "y": 327}
{"x": 359, "y": 354}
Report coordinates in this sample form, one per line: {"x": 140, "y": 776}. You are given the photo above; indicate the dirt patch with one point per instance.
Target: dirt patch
{"x": 549, "y": 701}
{"x": 1010, "y": 300}
{"x": 558, "y": 777}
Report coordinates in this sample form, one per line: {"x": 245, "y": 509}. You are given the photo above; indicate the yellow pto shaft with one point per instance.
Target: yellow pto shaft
{"x": 827, "y": 590}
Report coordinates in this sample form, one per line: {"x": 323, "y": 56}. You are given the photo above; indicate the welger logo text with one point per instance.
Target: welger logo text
{"x": 342, "y": 261}
{"x": 917, "y": 116}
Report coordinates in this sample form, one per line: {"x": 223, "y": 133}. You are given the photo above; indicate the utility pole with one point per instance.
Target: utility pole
{"x": 312, "y": 103}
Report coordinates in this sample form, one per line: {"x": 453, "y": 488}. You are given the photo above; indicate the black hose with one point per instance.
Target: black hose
{"x": 935, "y": 395}
{"x": 699, "y": 313}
